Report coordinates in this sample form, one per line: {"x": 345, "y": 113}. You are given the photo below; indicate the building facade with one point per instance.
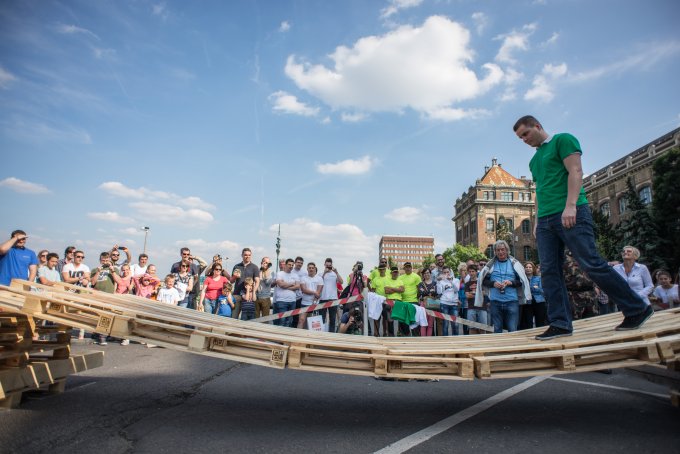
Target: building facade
{"x": 402, "y": 249}
{"x": 497, "y": 196}
{"x": 605, "y": 188}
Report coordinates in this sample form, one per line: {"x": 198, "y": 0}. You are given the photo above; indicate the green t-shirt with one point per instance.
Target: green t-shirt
{"x": 389, "y": 282}
{"x": 411, "y": 282}
{"x": 378, "y": 284}
{"x": 105, "y": 282}
{"x": 550, "y": 175}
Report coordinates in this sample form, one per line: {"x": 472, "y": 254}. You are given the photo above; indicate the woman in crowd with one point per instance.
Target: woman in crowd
{"x": 212, "y": 288}
{"x": 533, "y": 313}
{"x": 124, "y": 281}
{"x": 636, "y": 274}
{"x": 666, "y": 291}
{"x": 184, "y": 282}
{"x": 427, "y": 289}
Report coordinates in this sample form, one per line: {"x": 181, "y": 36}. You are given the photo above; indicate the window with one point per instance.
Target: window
{"x": 466, "y": 229}
{"x": 604, "y": 209}
{"x": 506, "y": 196}
{"x": 511, "y": 227}
{"x": 528, "y": 196}
{"x": 526, "y": 227}
{"x": 489, "y": 251}
{"x": 473, "y": 226}
{"x": 645, "y": 195}
{"x": 493, "y": 195}
{"x": 527, "y": 252}
{"x": 623, "y": 205}
{"x": 489, "y": 225}
{"x": 486, "y": 195}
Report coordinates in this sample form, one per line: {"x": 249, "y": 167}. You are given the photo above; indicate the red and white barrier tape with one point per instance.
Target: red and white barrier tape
{"x": 312, "y": 308}
{"x": 451, "y": 318}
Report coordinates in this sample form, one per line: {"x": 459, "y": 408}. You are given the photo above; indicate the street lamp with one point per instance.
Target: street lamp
{"x": 146, "y": 233}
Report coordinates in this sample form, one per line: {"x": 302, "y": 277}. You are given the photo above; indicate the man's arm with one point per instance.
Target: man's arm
{"x": 33, "y": 270}
{"x": 575, "y": 180}
{"x": 7, "y": 245}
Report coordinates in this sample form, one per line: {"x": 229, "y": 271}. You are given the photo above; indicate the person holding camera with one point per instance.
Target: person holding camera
{"x": 329, "y": 292}
{"x": 115, "y": 256}
{"x": 195, "y": 269}
{"x": 104, "y": 278}
{"x": 352, "y": 321}
{"x": 263, "y": 301}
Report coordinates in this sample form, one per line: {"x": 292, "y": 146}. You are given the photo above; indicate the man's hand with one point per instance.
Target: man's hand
{"x": 569, "y": 216}
{"x": 499, "y": 285}
{"x": 20, "y": 236}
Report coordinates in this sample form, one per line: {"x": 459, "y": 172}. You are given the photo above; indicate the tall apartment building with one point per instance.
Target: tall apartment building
{"x": 497, "y": 193}
{"x": 605, "y": 188}
{"x": 402, "y": 249}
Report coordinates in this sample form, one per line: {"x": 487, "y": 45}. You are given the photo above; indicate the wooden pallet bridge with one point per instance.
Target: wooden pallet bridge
{"x": 594, "y": 346}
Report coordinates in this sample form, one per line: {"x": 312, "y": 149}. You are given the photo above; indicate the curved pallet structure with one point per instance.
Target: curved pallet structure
{"x": 594, "y": 346}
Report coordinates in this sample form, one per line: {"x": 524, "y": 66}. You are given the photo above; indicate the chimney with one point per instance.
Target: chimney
{"x": 494, "y": 161}
{"x": 486, "y": 169}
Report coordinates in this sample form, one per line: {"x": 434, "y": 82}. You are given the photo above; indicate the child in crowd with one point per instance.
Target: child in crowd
{"x": 124, "y": 281}
{"x": 248, "y": 299}
{"x": 145, "y": 285}
{"x": 225, "y": 301}
{"x": 168, "y": 294}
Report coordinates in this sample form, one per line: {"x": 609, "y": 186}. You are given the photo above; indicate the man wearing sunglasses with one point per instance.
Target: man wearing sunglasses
{"x": 16, "y": 260}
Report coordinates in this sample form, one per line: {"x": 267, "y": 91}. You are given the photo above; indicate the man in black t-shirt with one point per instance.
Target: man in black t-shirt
{"x": 238, "y": 276}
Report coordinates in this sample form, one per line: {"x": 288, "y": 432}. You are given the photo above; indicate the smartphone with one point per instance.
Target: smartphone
{"x": 120, "y": 248}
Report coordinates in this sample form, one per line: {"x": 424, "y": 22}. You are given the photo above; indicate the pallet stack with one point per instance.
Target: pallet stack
{"x": 34, "y": 357}
{"x": 594, "y": 346}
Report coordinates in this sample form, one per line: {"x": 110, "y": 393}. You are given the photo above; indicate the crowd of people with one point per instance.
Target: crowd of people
{"x": 502, "y": 292}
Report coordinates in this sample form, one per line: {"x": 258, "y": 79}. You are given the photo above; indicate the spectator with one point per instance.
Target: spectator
{"x": 184, "y": 282}
{"x": 248, "y": 299}
{"x": 115, "y": 256}
{"x": 505, "y": 278}
{"x": 68, "y": 258}
{"x": 463, "y": 278}
{"x": 331, "y": 278}
{"x": 311, "y": 286}
{"x": 246, "y": 268}
{"x": 225, "y": 301}
{"x": 284, "y": 294}
{"x": 352, "y": 321}
{"x": 76, "y": 272}
{"x": 635, "y": 274}
{"x": 447, "y": 289}
{"x": 375, "y": 272}
{"x": 533, "y": 313}
{"x": 42, "y": 258}
{"x": 17, "y": 261}
{"x": 410, "y": 293}
{"x": 427, "y": 289}
{"x": 48, "y": 274}
{"x": 300, "y": 272}
{"x": 195, "y": 268}
{"x": 394, "y": 286}
{"x": 666, "y": 291}
{"x": 474, "y": 314}
{"x": 168, "y": 294}
{"x": 139, "y": 268}
{"x": 125, "y": 283}
{"x": 146, "y": 285}
{"x": 439, "y": 267}
{"x": 212, "y": 288}
{"x": 263, "y": 303}
{"x": 104, "y": 279}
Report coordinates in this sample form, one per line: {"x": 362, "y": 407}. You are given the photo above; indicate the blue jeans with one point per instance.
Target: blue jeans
{"x": 449, "y": 310}
{"x": 187, "y": 301}
{"x": 552, "y": 237}
{"x": 504, "y": 314}
{"x": 209, "y": 305}
{"x": 284, "y": 306}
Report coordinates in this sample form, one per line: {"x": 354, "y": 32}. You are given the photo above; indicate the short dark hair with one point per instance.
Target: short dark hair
{"x": 246, "y": 249}
{"x": 142, "y": 255}
{"x": 16, "y": 232}
{"x": 52, "y": 255}
{"x": 439, "y": 255}
{"x": 472, "y": 267}
{"x": 104, "y": 255}
{"x": 69, "y": 249}
{"x": 289, "y": 260}
{"x": 527, "y": 120}
{"x": 299, "y": 258}
{"x": 328, "y": 260}
{"x": 184, "y": 249}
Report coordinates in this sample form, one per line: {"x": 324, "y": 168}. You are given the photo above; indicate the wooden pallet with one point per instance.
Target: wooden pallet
{"x": 595, "y": 345}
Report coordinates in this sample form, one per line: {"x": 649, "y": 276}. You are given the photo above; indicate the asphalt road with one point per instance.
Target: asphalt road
{"x": 157, "y": 400}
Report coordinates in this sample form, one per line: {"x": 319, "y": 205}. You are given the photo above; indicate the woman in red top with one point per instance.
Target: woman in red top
{"x": 212, "y": 288}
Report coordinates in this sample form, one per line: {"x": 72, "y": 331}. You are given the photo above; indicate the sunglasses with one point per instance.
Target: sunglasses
{"x": 43, "y": 255}
{"x": 80, "y": 256}
{"x": 217, "y": 269}
{"x": 184, "y": 266}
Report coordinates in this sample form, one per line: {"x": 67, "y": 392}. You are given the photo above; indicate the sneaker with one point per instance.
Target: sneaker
{"x": 125, "y": 342}
{"x": 553, "y": 332}
{"x": 635, "y": 321}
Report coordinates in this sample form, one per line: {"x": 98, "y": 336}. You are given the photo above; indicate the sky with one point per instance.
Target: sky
{"x": 213, "y": 123}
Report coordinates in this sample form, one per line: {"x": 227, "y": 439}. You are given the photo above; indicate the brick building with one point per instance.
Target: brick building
{"x": 605, "y": 188}
{"x": 402, "y": 249}
{"x": 496, "y": 194}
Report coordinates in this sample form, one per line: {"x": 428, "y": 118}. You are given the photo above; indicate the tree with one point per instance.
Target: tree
{"x": 428, "y": 260}
{"x": 607, "y": 236}
{"x": 638, "y": 229}
{"x": 502, "y": 230}
{"x": 457, "y": 254}
{"x": 666, "y": 207}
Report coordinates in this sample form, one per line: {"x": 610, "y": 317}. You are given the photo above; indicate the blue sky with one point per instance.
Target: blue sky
{"x": 212, "y": 122}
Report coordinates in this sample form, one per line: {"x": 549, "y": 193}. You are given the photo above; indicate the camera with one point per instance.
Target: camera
{"x": 358, "y": 317}
{"x": 360, "y": 266}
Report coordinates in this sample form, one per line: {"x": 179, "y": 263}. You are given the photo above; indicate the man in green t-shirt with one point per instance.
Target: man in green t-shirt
{"x": 564, "y": 219}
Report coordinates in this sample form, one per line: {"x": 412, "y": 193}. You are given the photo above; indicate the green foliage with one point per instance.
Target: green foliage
{"x": 502, "y": 230}
{"x": 666, "y": 207}
{"x": 607, "y": 236}
{"x": 427, "y": 261}
{"x": 459, "y": 253}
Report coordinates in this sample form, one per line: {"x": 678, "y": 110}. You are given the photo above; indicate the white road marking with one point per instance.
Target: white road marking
{"x": 445, "y": 424}
{"x": 619, "y": 388}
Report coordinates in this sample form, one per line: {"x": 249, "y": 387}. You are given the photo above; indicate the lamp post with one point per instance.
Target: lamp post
{"x": 146, "y": 233}
{"x": 278, "y": 247}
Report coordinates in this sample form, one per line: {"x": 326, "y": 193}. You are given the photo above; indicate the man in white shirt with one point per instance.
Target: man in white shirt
{"x": 311, "y": 286}
{"x": 331, "y": 279}
{"x": 300, "y": 272}
{"x": 287, "y": 284}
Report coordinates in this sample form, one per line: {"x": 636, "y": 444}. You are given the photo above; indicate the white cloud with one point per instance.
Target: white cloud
{"x": 552, "y": 40}
{"x": 73, "y": 29}
{"x": 103, "y": 54}
{"x": 111, "y": 216}
{"x": 344, "y": 243}
{"x": 160, "y": 10}
{"x": 395, "y": 5}
{"x": 24, "y": 187}
{"x": 6, "y": 78}
{"x": 542, "y": 86}
{"x": 348, "y": 166}
{"x": 517, "y": 40}
{"x": 132, "y": 231}
{"x": 405, "y": 215}
{"x": 370, "y": 75}
{"x": 171, "y": 214}
{"x": 326, "y": 121}
{"x": 289, "y": 104}
{"x": 118, "y": 189}
{"x": 481, "y": 21}
{"x": 451, "y": 114}
{"x": 353, "y": 117}
{"x": 28, "y": 130}
{"x": 284, "y": 27}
